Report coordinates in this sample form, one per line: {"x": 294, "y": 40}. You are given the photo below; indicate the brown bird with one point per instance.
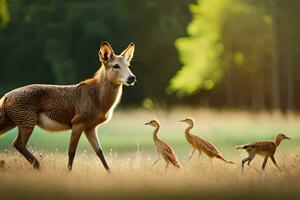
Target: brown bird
{"x": 163, "y": 149}
{"x": 201, "y": 144}
{"x": 263, "y": 148}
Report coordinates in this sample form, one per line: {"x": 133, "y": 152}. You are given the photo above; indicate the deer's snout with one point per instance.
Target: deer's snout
{"x": 131, "y": 79}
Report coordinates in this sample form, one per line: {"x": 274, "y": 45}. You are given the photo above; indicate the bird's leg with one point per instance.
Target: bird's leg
{"x": 192, "y": 154}
{"x": 211, "y": 162}
{"x": 167, "y": 165}
{"x": 156, "y": 161}
{"x": 274, "y": 161}
{"x": 199, "y": 155}
{"x": 265, "y": 162}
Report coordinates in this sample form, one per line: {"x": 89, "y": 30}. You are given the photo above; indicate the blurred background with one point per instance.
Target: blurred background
{"x": 212, "y": 54}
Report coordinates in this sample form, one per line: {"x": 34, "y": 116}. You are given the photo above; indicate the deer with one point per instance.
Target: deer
{"x": 267, "y": 149}
{"x": 80, "y": 108}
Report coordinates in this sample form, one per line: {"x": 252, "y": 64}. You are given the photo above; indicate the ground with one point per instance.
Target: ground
{"x": 133, "y": 177}
{"x": 130, "y": 153}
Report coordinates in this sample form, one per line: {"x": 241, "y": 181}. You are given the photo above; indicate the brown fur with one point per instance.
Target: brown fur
{"x": 263, "y": 148}
{"x": 79, "y": 107}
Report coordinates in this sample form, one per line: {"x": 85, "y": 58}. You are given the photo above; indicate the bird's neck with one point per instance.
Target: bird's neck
{"x": 155, "y": 137}
{"x": 187, "y": 130}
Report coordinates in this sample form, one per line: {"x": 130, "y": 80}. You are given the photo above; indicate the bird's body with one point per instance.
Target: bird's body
{"x": 201, "y": 144}
{"x": 163, "y": 149}
{"x": 263, "y": 148}
{"x": 167, "y": 153}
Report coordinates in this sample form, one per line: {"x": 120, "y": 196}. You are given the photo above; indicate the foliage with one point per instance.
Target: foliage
{"x": 4, "y": 14}
{"x": 240, "y": 51}
{"x": 201, "y": 50}
{"x": 57, "y": 42}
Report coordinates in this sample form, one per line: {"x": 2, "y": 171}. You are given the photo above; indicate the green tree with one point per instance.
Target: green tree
{"x": 4, "y": 14}
{"x": 239, "y": 53}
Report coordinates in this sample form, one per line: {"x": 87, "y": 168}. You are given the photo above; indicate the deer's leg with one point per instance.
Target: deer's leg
{"x": 248, "y": 159}
{"x": 75, "y": 136}
{"x": 21, "y": 142}
{"x": 265, "y": 162}
{"x": 274, "y": 161}
{"x": 243, "y": 162}
{"x": 93, "y": 139}
{"x": 192, "y": 154}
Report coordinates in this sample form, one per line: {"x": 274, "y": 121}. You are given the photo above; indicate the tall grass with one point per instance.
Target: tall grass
{"x": 133, "y": 177}
{"x": 130, "y": 152}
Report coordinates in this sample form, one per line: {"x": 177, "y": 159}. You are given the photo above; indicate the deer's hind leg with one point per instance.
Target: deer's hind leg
{"x": 21, "y": 142}
{"x": 250, "y": 157}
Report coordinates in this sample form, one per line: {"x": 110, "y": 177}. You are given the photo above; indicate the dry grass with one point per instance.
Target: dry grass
{"x": 133, "y": 177}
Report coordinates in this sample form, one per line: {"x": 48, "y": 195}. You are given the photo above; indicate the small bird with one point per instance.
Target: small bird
{"x": 201, "y": 144}
{"x": 263, "y": 148}
{"x": 163, "y": 149}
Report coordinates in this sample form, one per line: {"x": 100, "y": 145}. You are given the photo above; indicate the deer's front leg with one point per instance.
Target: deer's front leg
{"x": 93, "y": 139}
{"x": 75, "y": 136}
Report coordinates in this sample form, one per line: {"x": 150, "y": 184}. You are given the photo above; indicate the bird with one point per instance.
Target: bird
{"x": 201, "y": 144}
{"x": 163, "y": 149}
{"x": 263, "y": 148}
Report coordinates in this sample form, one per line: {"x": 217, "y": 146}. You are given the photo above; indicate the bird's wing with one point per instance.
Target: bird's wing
{"x": 169, "y": 153}
{"x": 206, "y": 145}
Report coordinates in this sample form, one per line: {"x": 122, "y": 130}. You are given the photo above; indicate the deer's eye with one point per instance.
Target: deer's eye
{"x": 116, "y": 66}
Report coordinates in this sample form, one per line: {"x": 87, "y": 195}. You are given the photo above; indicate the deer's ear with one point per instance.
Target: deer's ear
{"x": 128, "y": 52}
{"x": 105, "y": 52}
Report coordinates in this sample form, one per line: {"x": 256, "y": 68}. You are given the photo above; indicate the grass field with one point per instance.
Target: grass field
{"x": 130, "y": 153}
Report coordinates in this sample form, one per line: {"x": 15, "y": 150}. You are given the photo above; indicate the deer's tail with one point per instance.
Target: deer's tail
{"x": 243, "y": 146}
{"x": 5, "y": 123}
{"x": 2, "y": 111}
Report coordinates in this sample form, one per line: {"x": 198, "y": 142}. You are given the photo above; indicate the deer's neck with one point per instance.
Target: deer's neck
{"x": 277, "y": 141}
{"x": 109, "y": 94}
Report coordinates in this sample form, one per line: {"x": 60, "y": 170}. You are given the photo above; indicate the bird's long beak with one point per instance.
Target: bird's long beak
{"x": 288, "y": 138}
{"x": 182, "y": 120}
{"x": 147, "y": 123}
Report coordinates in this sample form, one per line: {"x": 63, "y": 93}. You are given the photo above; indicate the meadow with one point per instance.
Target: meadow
{"x": 130, "y": 153}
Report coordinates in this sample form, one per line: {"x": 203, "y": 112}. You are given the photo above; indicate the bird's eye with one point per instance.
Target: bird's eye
{"x": 116, "y": 67}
